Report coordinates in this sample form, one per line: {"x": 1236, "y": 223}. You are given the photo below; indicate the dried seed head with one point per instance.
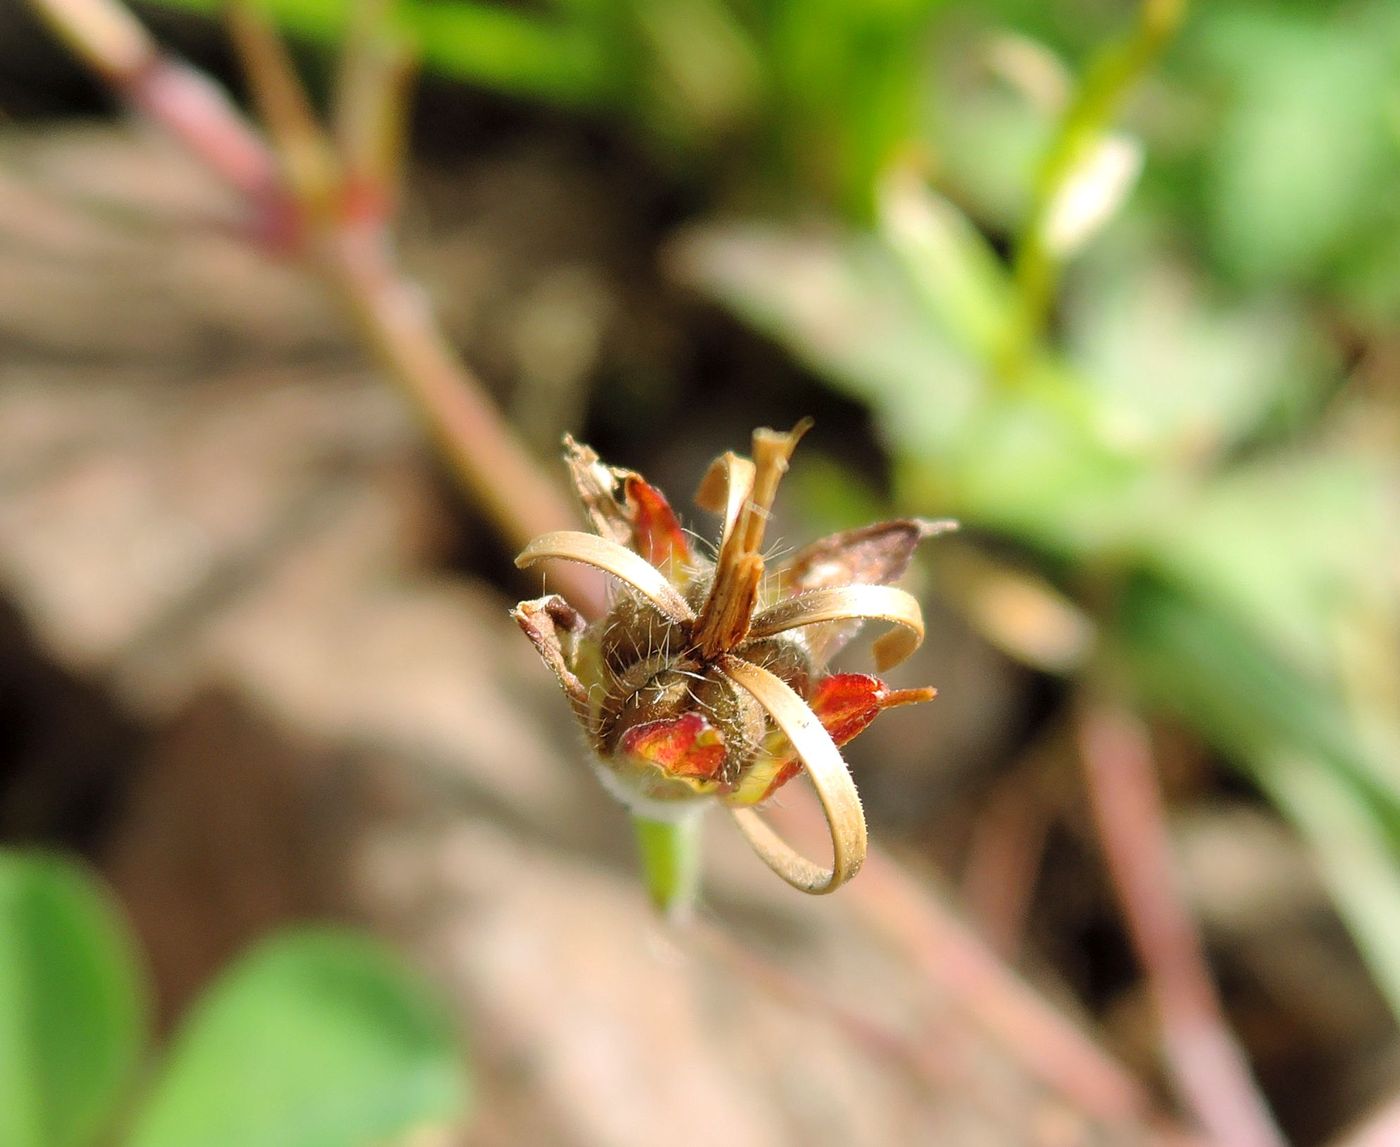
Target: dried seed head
{"x": 693, "y": 686}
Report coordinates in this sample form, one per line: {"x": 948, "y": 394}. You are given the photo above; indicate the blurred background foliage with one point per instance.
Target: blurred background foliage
{"x": 1119, "y": 289}
{"x": 1118, "y": 286}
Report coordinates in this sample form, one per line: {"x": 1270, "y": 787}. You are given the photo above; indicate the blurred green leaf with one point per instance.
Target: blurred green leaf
{"x": 963, "y": 288}
{"x": 704, "y": 70}
{"x": 72, "y": 1004}
{"x": 1182, "y": 374}
{"x": 991, "y": 134}
{"x": 841, "y": 302}
{"x": 849, "y": 81}
{"x": 1285, "y": 543}
{"x": 316, "y": 1039}
{"x": 905, "y": 326}
{"x": 1357, "y": 859}
{"x": 1194, "y": 658}
{"x": 834, "y": 92}
{"x": 1305, "y": 157}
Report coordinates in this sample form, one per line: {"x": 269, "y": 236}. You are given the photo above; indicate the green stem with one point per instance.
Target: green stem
{"x": 670, "y": 856}
{"x": 1096, "y": 103}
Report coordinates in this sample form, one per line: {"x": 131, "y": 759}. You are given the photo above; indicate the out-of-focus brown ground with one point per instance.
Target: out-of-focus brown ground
{"x": 221, "y": 534}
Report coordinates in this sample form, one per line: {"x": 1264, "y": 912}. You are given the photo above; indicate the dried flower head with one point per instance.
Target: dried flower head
{"x": 705, "y": 679}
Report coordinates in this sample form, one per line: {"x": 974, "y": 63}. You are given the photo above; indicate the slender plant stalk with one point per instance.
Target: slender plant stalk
{"x": 891, "y": 904}
{"x": 1096, "y": 102}
{"x": 395, "y": 321}
{"x": 948, "y": 952}
{"x": 670, "y": 856}
{"x": 288, "y": 187}
{"x": 1380, "y": 1129}
{"x": 1004, "y": 859}
{"x": 183, "y": 101}
{"x": 1207, "y": 1064}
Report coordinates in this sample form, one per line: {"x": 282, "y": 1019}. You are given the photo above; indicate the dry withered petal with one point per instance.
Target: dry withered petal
{"x": 705, "y": 680}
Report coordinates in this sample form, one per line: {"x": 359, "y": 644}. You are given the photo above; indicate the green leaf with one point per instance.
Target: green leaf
{"x": 1303, "y": 161}
{"x": 317, "y": 1039}
{"x": 953, "y": 272}
{"x": 1356, "y": 858}
{"x": 902, "y": 322}
{"x": 1177, "y": 369}
{"x": 1245, "y": 694}
{"x": 1288, "y": 543}
{"x": 850, "y": 87}
{"x": 72, "y": 1014}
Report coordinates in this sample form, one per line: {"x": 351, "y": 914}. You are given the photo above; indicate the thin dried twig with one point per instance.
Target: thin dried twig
{"x": 946, "y": 951}
{"x": 1045, "y": 1042}
{"x": 396, "y": 321}
{"x": 351, "y": 249}
{"x": 1208, "y": 1066}
{"x": 1380, "y": 1129}
{"x": 188, "y": 106}
{"x": 1004, "y": 860}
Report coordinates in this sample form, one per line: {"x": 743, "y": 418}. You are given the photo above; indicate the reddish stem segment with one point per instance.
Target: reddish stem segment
{"x": 355, "y": 257}
{"x": 946, "y": 951}
{"x": 1208, "y": 1066}
{"x": 396, "y": 322}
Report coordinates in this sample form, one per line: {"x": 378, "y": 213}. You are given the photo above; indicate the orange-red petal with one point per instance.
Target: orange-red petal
{"x": 656, "y": 533}
{"x": 846, "y": 703}
{"x": 684, "y": 746}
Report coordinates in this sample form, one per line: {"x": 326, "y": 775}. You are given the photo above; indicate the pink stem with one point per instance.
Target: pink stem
{"x": 946, "y": 951}
{"x": 1004, "y": 858}
{"x": 1209, "y": 1067}
{"x": 1380, "y": 1129}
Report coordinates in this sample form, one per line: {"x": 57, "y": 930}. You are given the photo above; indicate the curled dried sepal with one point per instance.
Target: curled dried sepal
{"x": 724, "y": 617}
{"x": 823, "y": 762}
{"x": 622, "y": 563}
{"x": 553, "y": 626}
{"x": 851, "y": 603}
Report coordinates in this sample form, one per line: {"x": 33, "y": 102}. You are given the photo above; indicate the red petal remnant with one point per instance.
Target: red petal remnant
{"x": 656, "y": 534}
{"x": 687, "y": 746}
{"x": 846, "y": 703}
